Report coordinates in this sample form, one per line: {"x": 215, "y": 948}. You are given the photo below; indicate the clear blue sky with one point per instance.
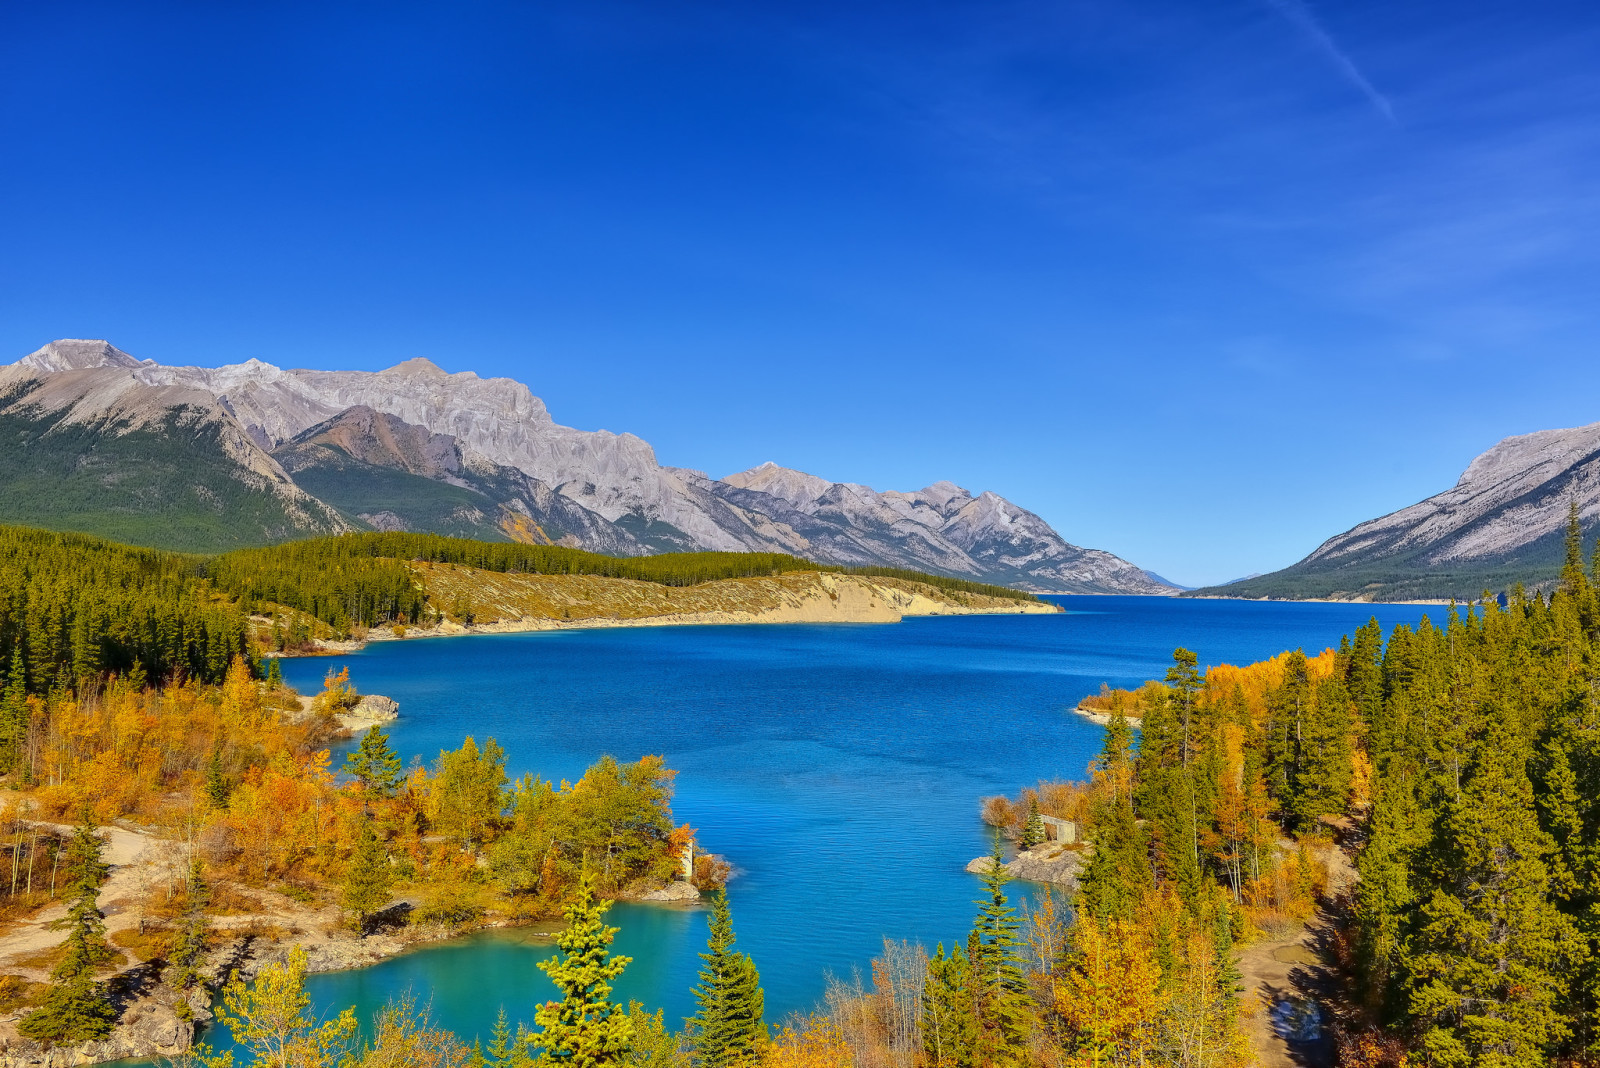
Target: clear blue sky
{"x": 1201, "y": 283}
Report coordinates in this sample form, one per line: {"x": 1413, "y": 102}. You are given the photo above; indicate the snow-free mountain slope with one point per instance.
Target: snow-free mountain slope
{"x": 1501, "y": 523}
{"x": 941, "y": 528}
{"x": 414, "y": 446}
{"x": 391, "y": 475}
{"x": 92, "y": 447}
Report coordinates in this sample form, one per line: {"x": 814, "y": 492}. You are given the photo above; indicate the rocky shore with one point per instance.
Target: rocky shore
{"x": 149, "y": 1023}
{"x": 1048, "y": 863}
{"x": 1104, "y": 718}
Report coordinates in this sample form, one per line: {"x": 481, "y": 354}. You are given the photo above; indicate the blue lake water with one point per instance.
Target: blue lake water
{"x": 837, "y": 766}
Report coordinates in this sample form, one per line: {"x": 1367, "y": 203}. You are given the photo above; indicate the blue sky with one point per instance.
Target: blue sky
{"x": 1201, "y": 283}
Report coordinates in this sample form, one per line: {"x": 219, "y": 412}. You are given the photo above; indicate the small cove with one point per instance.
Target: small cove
{"x": 838, "y": 766}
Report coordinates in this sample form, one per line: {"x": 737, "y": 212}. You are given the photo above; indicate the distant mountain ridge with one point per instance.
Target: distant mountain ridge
{"x": 1501, "y": 523}
{"x": 413, "y": 447}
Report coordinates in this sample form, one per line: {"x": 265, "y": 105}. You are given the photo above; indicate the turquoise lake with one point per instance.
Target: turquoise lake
{"x": 837, "y": 766}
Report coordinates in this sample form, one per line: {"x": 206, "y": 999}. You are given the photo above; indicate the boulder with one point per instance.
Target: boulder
{"x": 376, "y": 708}
{"x": 673, "y": 892}
{"x": 1048, "y": 863}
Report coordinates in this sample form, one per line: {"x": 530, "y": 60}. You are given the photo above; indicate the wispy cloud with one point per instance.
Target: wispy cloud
{"x": 1300, "y": 16}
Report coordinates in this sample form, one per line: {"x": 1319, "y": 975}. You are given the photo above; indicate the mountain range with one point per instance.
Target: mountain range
{"x": 205, "y": 459}
{"x": 1502, "y": 523}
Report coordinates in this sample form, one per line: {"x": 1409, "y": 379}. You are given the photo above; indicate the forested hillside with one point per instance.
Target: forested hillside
{"x": 73, "y": 607}
{"x": 1462, "y": 759}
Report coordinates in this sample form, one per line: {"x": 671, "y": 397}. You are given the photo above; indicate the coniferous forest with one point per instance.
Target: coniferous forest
{"x": 1431, "y": 796}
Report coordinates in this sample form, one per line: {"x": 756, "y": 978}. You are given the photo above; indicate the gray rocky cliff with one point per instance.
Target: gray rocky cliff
{"x": 594, "y": 489}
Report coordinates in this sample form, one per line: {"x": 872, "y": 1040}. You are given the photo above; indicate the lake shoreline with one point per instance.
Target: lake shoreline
{"x": 149, "y": 1024}
{"x": 526, "y": 604}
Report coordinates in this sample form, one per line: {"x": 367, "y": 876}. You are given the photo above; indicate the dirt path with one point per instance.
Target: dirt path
{"x": 139, "y": 863}
{"x": 1288, "y": 982}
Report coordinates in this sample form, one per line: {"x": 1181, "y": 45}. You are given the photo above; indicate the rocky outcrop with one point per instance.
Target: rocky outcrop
{"x": 1048, "y": 863}
{"x": 673, "y": 893}
{"x": 1501, "y": 523}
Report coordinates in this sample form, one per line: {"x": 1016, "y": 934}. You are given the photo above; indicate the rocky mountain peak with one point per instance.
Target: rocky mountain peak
{"x": 77, "y": 354}
{"x": 351, "y": 435}
{"x": 417, "y": 365}
{"x": 784, "y": 483}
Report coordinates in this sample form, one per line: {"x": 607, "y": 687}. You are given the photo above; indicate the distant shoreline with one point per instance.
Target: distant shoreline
{"x": 532, "y": 602}
{"x": 1104, "y": 718}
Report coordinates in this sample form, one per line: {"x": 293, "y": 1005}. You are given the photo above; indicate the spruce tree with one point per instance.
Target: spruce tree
{"x": 1033, "y": 830}
{"x": 14, "y": 712}
{"x": 368, "y": 880}
{"x": 1001, "y": 994}
{"x": 507, "y": 1048}
{"x": 727, "y": 1031}
{"x": 76, "y": 1008}
{"x": 1494, "y": 951}
{"x": 375, "y": 764}
{"x": 189, "y": 944}
{"x": 1117, "y": 873}
{"x": 217, "y": 788}
{"x": 274, "y": 674}
{"x": 1183, "y": 681}
{"x": 1323, "y": 772}
{"x": 584, "y": 1029}
{"x": 949, "y": 1028}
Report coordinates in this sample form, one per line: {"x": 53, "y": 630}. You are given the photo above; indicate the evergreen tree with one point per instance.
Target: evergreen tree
{"x": 14, "y": 712}
{"x": 1494, "y": 951}
{"x": 1001, "y": 997}
{"x": 76, "y": 1008}
{"x": 949, "y": 1027}
{"x": 189, "y": 943}
{"x": 727, "y": 1031}
{"x": 374, "y": 764}
{"x": 368, "y": 880}
{"x": 1323, "y": 771}
{"x": 217, "y": 788}
{"x": 1117, "y": 874}
{"x": 507, "y": 1048}
{"x": 1033, "y": 829}
{"x": 584, "y": 1029}
{"x": 1287, "y": 708}
{"x": 1183, "y": 680}
{"x": 274, "y": 674}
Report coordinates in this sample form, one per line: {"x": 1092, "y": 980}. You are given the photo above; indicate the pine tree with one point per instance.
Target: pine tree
{"x": 1323, "y": 772}
{"x": 14, "y": 712}
{"x": 189, "y": 945}
{"x": 1002, "y": 1004}
{"x": 1183, "y": 680}
{"x": 949, "y": 1028}
{"x": 727, "y": 1031}
{"x": 1117, "y": 874}
{"x": 507, "y": 1048}
{"x": 368, "y": 880}
{"x": 584, "y": 1029}
{"x": 76, "y": 1008}
{"x": 217, "y": 788}
{"x": 274, "y": 674}
{"x": 1033, "y": 830}
{"x": 1494, "y": 952}
{"x": 375, "y": 764}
